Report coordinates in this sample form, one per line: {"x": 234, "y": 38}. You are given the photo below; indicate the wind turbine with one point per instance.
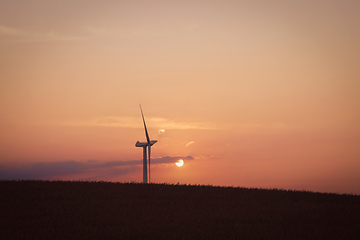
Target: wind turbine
{"x": 148, "y": 144}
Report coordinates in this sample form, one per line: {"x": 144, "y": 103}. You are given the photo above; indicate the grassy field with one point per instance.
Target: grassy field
{"x": 101, "y": 210}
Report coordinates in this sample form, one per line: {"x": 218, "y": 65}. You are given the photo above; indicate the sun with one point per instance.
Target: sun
{"x": 179, "y": 163}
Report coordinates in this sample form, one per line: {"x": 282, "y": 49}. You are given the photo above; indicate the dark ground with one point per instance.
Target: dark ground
{"x": 100, "y": 210}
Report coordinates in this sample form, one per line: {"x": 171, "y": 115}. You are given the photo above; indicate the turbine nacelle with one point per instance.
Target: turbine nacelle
{"x": 145, "y": 144}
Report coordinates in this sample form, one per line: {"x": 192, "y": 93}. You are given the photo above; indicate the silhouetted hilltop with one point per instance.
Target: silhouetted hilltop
{"x": 103, "y": 210}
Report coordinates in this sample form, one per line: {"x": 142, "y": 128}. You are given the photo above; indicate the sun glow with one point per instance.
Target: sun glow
{"x": 179, "y": 163}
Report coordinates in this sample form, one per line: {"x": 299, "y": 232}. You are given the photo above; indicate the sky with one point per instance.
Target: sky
{"x": 256, "y": 94}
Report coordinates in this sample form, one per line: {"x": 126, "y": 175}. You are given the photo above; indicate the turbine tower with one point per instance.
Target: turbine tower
{"x": 145, "y": 145}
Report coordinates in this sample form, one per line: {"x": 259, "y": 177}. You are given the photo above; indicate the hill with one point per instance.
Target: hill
{"x": 104, "y": 210}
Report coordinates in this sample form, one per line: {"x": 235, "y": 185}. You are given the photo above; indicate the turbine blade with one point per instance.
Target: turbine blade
{"x": 146, "y": 132}
{"x": 149, "y": 160}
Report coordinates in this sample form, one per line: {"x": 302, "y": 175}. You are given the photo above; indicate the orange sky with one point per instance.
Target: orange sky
{"x": 253, "y": 93}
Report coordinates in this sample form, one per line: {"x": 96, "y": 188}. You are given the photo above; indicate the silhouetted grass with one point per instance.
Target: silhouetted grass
{"x": 104, "y": 210}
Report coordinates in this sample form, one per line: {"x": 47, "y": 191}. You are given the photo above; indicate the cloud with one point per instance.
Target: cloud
{"x": 101, "y": 31}
{"x": 41, "y": 170}
{"x": 132, "y": 122}
{"x": 171, "y": 159}
{"x": 189, "y": 143}
{"x": 50, "y": 170}
{"x": 169, "y": 124}
{"x": 7, "y": 31}
{"x": 21, "y": 35}
{"x": 164, "y": 123}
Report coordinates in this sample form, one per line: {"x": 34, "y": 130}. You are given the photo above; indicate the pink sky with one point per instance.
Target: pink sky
{"x": 261, "y": 94}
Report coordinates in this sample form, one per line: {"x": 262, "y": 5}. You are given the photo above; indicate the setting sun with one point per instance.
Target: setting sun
{"x": 179, "y": 163}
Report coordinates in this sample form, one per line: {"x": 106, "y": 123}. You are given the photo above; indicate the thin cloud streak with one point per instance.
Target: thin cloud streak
{"x": 49, "y": 170}
{"x": 164, "y": 123}
{"x": 7, "y": 31}
{"x": 132, "y": 122}
{"x": 20, "y": 35}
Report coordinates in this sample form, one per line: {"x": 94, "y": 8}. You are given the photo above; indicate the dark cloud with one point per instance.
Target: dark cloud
{"x": 41, "y": 170}
{"x": 46, "y": 170}
{"x": 168, "y": 159}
